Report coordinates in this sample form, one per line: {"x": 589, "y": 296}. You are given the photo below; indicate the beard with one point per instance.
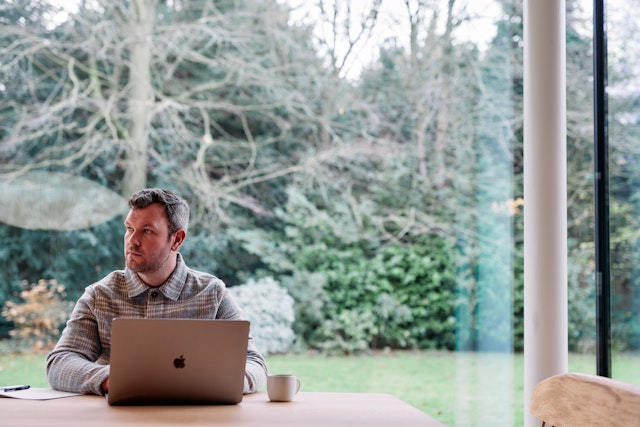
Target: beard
{"x": 139, "y": 264}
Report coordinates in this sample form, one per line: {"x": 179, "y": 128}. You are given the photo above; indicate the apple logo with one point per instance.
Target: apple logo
{"x": 178, "y": 362}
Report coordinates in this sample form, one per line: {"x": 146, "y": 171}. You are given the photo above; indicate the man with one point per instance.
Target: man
{"x": 155, "y": 284}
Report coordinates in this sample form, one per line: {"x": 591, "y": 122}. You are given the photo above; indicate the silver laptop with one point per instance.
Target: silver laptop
{"x": 177, "y": 361}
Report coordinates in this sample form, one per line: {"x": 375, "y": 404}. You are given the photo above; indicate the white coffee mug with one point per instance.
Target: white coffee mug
{"x": 282, "y": 388}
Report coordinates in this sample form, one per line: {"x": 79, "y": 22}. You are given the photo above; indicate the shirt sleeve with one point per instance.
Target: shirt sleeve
{"x": 255, "y": 372}
{"x": 73, "y": 365}
{"x": 256, "y": 366}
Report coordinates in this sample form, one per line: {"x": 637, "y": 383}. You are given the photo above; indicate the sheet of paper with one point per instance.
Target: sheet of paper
{"x": 35, "y": 393}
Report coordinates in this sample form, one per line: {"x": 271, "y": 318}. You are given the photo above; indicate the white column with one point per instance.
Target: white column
{"x": 545, "y": 195}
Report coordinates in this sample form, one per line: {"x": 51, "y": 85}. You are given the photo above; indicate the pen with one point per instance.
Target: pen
{"x": 15, "y": 387}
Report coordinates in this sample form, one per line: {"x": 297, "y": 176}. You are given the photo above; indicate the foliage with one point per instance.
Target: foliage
{"x": 38, "y": 318}
{"x": 359, "y": 329}
{"x": 413, "y": 280}
{"x": 380, "y": 203}
{"x": 581, "y": 312}
{"x": 347, "y": 332}
{"x": 77, "y": 258}
{"x": 269, "y": 308}
{"x": 359, "y": 297}
{"x": 310, "y": 298}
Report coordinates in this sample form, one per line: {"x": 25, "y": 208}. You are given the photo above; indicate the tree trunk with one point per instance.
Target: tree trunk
{"x": 141, "y": 25}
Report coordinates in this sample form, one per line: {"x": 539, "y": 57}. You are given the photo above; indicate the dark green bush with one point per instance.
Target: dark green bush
{"x": 401, "y": 297}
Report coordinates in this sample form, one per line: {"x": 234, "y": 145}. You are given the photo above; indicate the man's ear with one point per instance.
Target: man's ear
{"x": 178, "y": 239}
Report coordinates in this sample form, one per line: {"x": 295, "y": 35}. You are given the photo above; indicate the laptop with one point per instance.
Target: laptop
{"x": 177, "y": 361}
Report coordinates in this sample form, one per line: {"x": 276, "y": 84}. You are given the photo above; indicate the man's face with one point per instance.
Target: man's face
{"x": 147, "y": 245}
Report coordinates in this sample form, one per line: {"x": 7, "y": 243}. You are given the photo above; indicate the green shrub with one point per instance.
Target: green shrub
{"x": 357, "y": 330}
{"x": 310, "y": 296}
{"x": 350, "y": 331}
{"x": 401, "y": 297}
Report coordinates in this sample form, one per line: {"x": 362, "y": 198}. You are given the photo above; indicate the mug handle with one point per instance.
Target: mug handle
{"x": 297, "y": 384}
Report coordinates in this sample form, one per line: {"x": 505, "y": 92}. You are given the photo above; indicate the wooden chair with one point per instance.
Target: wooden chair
{"x": 585, "y": 400}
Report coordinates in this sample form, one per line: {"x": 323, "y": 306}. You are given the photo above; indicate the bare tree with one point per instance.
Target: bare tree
{"x": 194, "y": 94}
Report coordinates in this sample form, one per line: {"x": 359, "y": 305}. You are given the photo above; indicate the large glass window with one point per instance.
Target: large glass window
{"x": 623, "y": 120}
{"x": 364, "y": 157}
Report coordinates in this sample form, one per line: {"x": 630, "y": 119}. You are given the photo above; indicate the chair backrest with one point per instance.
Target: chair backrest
{"x": 575, "y": 399}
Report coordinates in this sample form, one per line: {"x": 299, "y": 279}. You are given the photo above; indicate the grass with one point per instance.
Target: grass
{"x": 22, "y": 369}
{"x": 459, "y": 389}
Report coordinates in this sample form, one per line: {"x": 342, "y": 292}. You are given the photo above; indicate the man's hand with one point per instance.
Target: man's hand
{"x": 105, "y": 386}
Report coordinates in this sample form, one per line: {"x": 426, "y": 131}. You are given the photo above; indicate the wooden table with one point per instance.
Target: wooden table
{"x": 308, "y": 409}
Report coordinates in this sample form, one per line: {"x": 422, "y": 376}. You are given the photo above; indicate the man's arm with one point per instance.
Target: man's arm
{"x": 255, "y": 370}
{"x": 256, "y": 366}
{"x": 72, "y": 365}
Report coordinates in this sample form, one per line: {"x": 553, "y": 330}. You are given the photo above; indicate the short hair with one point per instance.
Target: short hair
{"x": 176, "y": 207}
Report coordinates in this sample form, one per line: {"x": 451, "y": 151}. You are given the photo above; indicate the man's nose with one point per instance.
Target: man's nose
{"x": 133, "y": 239}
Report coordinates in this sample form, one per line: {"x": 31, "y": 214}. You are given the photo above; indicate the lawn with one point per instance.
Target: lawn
{"x": 459, "y": 389}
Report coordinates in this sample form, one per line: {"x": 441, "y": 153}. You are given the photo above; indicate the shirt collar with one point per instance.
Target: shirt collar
{"x": 171, "y": 288}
